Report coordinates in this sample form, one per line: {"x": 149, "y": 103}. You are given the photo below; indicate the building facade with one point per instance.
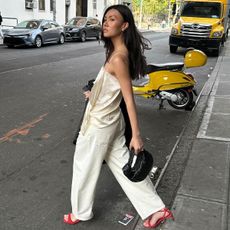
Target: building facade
{"x": 14, "y": 11}
{"x": 96, "y": 8}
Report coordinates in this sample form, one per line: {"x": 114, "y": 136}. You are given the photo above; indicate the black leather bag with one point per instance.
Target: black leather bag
{"x": 138, "y": 166}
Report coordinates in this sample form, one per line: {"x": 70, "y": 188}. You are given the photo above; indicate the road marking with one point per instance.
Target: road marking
{"x": 23, "y": 130}
{"x": 14, "y": 70}
{"x": 206, "y": 118}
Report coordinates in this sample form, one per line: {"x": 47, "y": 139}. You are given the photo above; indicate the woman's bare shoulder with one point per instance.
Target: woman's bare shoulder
{"x": 119, "y": 59}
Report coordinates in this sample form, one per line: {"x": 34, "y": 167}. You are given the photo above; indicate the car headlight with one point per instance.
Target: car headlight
{"x": 174, "y": 31}
{"x": 217, "y": 34}
{"x": 24, "y": 36}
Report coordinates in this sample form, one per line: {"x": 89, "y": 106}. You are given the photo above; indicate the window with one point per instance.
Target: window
{"x": 41, "y": 4}
{"x": 47, "y": 25}
{"x": 201, "y": 9}
{"x": 80, "y": 21}
{"x": 29, "y": 4}
{"x": 28, "y": 24}
{"x": 94, "y": 4}
{"x": 51, "y": 5}
{"x": 94, "y": 21}
{"x": 54, "y": 25}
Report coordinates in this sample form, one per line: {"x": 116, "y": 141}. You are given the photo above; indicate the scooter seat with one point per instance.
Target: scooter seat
{"x": 166, "y": 66}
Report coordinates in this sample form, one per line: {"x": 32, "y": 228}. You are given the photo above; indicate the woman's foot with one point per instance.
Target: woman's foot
{"x": 70, "y": 219}
{"x": 158, "y": 217}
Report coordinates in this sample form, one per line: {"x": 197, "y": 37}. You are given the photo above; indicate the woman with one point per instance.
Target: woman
{"x": 102, "y": 132}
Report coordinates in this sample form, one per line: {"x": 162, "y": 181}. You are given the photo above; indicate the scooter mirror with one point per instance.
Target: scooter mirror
{"x": 194, "y": 58}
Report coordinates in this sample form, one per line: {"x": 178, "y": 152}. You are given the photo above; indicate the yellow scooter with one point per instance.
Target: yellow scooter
{"x": 170, "y": 82}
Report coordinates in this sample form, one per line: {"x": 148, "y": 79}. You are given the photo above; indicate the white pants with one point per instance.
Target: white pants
{"x": 107, "y": 144}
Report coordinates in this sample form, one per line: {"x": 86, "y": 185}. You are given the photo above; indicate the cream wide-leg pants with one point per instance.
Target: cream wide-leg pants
{"x": 108, "y": 144}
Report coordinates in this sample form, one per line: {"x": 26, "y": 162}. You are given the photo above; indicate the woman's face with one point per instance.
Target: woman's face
{"x": 113, "y": 24}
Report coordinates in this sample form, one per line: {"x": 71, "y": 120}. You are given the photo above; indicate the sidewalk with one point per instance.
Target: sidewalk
{"x": 202, "y": 200}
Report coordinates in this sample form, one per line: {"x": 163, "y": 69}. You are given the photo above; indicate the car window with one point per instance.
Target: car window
{"x": 47, "y": 25}
{"x": 32, "y": 25}
{"x": 80, "y": 21}
{"x": 53, "y": 25}
{"x": 71, "y": 22}
{"x": 90, "y": 22}
{"x": 29, "y": 24}
{"x": 94, "y": 21}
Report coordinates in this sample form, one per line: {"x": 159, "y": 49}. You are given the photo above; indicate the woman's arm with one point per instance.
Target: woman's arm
{"x": 119, "y": 66}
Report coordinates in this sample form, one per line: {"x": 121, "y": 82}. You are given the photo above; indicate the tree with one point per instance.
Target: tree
{"x": 157, "y": 10}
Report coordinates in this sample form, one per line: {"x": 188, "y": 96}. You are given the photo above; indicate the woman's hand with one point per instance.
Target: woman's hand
{"x": 136, "y": 144}
{"x": 87, "y": 94}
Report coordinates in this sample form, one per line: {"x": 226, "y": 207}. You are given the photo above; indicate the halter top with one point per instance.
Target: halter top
{"x": 103, "y": 108}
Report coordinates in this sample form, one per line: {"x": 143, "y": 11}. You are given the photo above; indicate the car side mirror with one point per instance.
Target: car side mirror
{"x": 45, "y": 28}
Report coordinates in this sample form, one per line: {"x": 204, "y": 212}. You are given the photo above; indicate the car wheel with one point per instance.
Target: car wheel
{"x": 173, "y": 49}
{"x": 10, "y": 46}
{"x": 226, "y": 37}
{"x": 83, "y": 36}
{"x": 216, "y": 52}
{"x": 98, "y": 36}
{"x": 38, "y": 42}
{"x": 61, "y": 39}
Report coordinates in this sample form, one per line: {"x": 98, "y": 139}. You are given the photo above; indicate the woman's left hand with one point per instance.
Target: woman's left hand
{"x": 136, "y": 144}
{"x": 87, "y": 94}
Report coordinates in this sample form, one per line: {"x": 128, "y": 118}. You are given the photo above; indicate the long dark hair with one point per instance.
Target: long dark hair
{"x": 134, "y": 41}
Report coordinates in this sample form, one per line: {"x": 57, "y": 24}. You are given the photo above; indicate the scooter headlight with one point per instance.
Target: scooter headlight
{"x": 217, "y": 34}
{"x": 174, "y": 31}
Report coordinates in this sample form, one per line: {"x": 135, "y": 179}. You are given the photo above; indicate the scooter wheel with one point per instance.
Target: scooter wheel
{"x": 184, "y": 99}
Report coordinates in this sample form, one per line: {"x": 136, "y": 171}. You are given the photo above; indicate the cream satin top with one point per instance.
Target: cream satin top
{"x": 103, "y": 108}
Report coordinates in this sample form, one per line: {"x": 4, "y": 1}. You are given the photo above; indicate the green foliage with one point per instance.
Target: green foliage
{"x": 151, "y": 8}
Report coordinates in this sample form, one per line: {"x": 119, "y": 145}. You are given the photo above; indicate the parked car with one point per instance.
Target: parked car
{"x": 81, "y": 28}
{"x": 34, "y": 33}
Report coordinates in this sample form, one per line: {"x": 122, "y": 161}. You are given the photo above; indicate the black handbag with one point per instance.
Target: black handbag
{"x": 138, "y": 166}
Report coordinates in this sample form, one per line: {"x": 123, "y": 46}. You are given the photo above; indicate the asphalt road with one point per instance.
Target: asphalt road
{"x": 40, "y": 105}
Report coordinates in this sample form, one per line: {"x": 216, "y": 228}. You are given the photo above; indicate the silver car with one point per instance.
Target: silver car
{"x": 34, "y": 33}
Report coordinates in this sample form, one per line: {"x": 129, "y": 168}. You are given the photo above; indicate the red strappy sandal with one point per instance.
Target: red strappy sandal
{"x": 167, "y": 215}
{"x": 70, "y": 221}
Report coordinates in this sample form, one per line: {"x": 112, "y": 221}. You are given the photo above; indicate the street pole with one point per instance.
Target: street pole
{"x": 54, "y": 10}
{"x": 140, "y": 19}
{"x": 169, "y": 13}
{"x": 35, "y": 9}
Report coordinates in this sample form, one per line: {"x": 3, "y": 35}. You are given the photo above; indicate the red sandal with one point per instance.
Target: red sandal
{"x": 70, "y": 221}
{"x": 167, "y": 215}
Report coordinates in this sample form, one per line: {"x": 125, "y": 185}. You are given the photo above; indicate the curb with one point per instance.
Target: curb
{"x": 183, "y": 146}
{"x": 203, "y": 103}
